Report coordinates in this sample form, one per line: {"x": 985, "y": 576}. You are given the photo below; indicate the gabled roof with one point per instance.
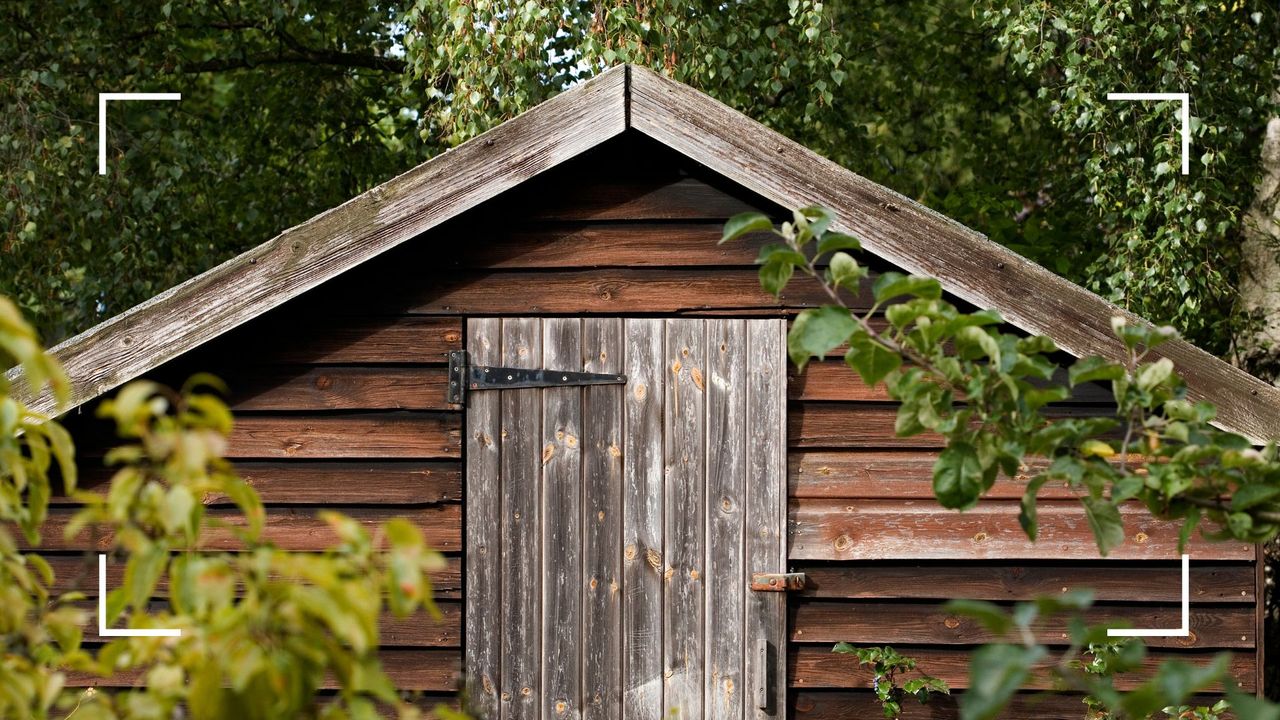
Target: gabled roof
{"x": 891, "y": 226}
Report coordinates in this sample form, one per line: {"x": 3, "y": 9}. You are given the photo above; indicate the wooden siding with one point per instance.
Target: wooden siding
{"x": 339, "y": 404}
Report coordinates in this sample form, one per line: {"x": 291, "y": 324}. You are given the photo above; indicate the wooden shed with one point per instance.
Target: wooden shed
{"x": 603, "y": 532}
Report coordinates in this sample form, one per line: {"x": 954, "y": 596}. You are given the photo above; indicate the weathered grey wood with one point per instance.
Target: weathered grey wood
{"x": 642, "y": 507}
{"x": 766, "y": 510}
{"x": 484, "y": 520}
{"x": 521, "y": 562}
{"x": 305, "y": 256}
{"x": 562, "y": 579}
{"x": 684, "y": 618}
{"x": 603, "y": 447}
{"x": 727, "y": 643}
{"x": 921, "y": 241}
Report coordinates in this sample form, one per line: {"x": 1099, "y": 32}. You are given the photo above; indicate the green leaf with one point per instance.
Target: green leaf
{"x": 991, "y": 616}
{"x": 817, "y": 219}
{"x": 1153, "y": 374}
{"x": 743, "y": 223}
{"x": 775, "y": 276}
{"x": 816, "y": 332}
{"x": 872, "y": 360}
{"x": 893, "y": 284}
{"x": 845, "y": 272}
{"x": 1104, "y": 520}
{"x": 1092, "y": 368}
{"x": 957, "y": 476}
{"x": 995, "y": 673}
{"x": 834, "y": 241}
{"x": 142, "y": 573}
{"x": 1248, "y": 707}
{"x": 1027, "y": 512}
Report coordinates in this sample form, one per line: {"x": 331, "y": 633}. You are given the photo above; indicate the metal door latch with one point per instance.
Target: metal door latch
{"x": 464, "y": 376}
{"x": 777, "y": 582}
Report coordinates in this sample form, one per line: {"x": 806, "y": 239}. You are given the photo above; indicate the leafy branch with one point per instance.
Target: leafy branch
{"x": 986, "y": 392}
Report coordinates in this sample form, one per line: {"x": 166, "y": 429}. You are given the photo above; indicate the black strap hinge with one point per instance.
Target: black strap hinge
{"x": 464, "y": 377}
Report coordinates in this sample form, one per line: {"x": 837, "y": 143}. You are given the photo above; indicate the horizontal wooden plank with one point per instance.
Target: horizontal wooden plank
{"x": 607, "y": 245}
{"x": 426, "y": 669}
{"x": 838, "y": 425}
{"x": 669, "y": 198}
{"x": 923, "y": 530}
{"x": 815, "y": 666}
{"x": 334, "y": 482}
{"x": 926, "y": 623}
{"x": 353, "y": 339}
{"x": 831, "y": 379}
{"x": 289, "y": 528}
{"x": 372, "y": 435}
{"x": 862, "y": 704}
{"x": 605, "y": 291}
{"x": 339, "y": 388}
{"x": 1125, "y": 582}
{"x": 890, "y": 475}
{"x": 79, "y": 573}
{"x": 418, "y": 629}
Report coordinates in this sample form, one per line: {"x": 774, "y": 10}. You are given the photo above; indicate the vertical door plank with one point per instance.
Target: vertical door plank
{"x": 726, "y": 465}
{"x": 521, "y": 564}
{"x": 642, "y": 525}
{"x": 561, "y": 524}
{"x": 685, "y": 567}
{"x": 766, "y": 482}
{"x": 484, "y": 517}
{"x": 602, "y": 352}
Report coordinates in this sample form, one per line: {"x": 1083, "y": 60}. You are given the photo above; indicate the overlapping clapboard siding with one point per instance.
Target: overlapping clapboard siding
{"x": 339, "y": 396}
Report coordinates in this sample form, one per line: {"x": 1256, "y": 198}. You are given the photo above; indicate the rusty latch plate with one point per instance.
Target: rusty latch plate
{"x": 777, "y": 582}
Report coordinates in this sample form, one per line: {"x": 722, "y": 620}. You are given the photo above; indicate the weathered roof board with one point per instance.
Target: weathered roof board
{"x": 896, "y": 228}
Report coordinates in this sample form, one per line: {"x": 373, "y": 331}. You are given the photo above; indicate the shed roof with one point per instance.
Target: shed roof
{"x": 891, "y": 226}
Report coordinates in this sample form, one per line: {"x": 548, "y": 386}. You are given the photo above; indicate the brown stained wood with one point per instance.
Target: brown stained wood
{"x": 79, "y": 573}
{"x": 373, "y": 435}
{"x": 669, "y": 198}
{"x": 921, "y": 530}
{"x": 642, "y": 532}
{"x": 339, "y": 482}
{"x": 425, "y": 669}
{"x": 561, "y": 482}
{"x": 892, "y": 474}
{"x": 832, "y": 379}
{"x": 602, "y": 516}
{"x": 521, "y": 612}
{"x": 321, "y": 248}
{"x": 898, "y": 623}
{"x": 338, "y": 338}
{"x": 857, "y": 425}
{"x": 1210, "y": 583}
{"x": 766, "y": 517}
{"x": 1260, "y": 617}
{"x": 483, "y": 508}
{"x": 559, "y": 246}
{"x": 862, "y": 704}
{"x": 340, "y": 388}
{"x": 815, "y": 666}
{"x": 725, "y": 386}
{"x": 923, "y": 242}
{"x": 684, "y": 570}
{"x": 289, "y": 528}
{"x": 605, "y": 291}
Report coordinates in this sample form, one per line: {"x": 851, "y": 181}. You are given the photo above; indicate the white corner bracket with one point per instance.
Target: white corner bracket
{"x": 102, "y": 118}
{"x": 1184, "y": 115}
{"x": 1185, "y": 630}
{"x": 103, "y": 630}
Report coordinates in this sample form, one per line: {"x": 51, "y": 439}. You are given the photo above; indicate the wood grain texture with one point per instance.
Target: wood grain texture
{"x": 1124, "y": 582}
{"x": 725, "y": 385}
{"x": 643, "y": 501}
{"x": 349, "y": 339}
{"x": 923, "y": 242}
{"x": 917, "y": 530}
{"x": 305, "y": 256}
{"x": 372, "y": 436}
{"x": 521, "y": 611}
{"x": 484, "y": 522}
{"x": 858, "y": 425}
{"x": 832, "y": 379}
{"x": 766, "y": 514}
{"x": 916, "y": 623}
{"x": 684, "y": 537}
{"x": 660, "y": 198}
{"x": 815, "y": 666}
{"x": 892, "y": 474}
{"x": 630, "y": 244}
{"x": 603, "y": 351}
{"x": 311, "y": 388}
{"x": 862, "y": 704}
{"x": 561, "y": 482}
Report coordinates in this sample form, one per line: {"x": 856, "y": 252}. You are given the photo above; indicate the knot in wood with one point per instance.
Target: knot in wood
{"x": 630, "y": 553}
{"x": 1190, "y": 639}
{"x": 843, "y": 543}
{"x": 980, "y": 537}
{"x": 526, "y": 691}
{"x": 951, "y": 622}
{"x": 561, "y": 706}
{"x": 1141, "y": 538}
{"x": 324, "y": 382}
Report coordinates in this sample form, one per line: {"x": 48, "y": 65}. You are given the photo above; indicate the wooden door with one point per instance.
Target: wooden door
{"x": 612, "y": 530}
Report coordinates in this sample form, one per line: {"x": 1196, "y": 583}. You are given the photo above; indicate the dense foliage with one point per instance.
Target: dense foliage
{"x": 994, "y": 114}
{"x": 262, "y": 629}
